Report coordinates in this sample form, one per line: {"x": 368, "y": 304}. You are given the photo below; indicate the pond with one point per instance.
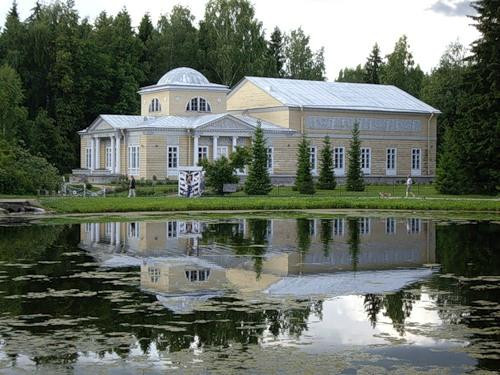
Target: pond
{"x": 283, "y": 295}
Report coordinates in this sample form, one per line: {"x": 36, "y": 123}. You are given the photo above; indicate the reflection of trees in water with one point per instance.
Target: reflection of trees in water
{"x": 304, "y": 235}
{"x": 293, "y": 322}
{"x": 353, "y": 241}
{"x": 326, "y": 230}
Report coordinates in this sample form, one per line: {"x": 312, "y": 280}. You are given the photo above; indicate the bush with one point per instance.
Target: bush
{"x": 23, "y": 173}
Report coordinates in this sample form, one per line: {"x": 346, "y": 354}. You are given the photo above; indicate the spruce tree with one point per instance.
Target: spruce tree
{"x": 304, "y": 181}
{"x": 355, "y": 180}
{"x": 326, "y": 178}
{"x": 258, "y": 181}
{"x": 372, "y": 66}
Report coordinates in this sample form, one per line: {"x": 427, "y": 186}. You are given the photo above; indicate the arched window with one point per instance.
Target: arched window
{"x": 198, "y": 104}
{"x": 155, "y": 105}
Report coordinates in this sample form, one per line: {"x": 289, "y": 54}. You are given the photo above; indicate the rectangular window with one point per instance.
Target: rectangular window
{"x": 108, "y": 157}
{"x": 270, "y": 159}
{"x": 366, "y": 160}
{"x": 269, "y": 230}
{"x": 133, "y": 230}
{"x": 338, "y": 160}
{"x": 390, "y": 225}
{"x": 413, "y": 226}
{"x": 222, "y": 151}
{"x": 133, "y": 160}
{"x": 88, "y": 227}
{"x": 202, "y": 153}
{"x": 88, "y": 158}
{"x": 338, "y": 227}
{"x": 312, "y": 227}
{"x": 364, "y": 225}
{"x": 312, "y": 158}
{"x": 415, "y": 161}
{"x": 173, "y": 157}
{"x": 390, "y": 162}
{"x": 171, "y": 229}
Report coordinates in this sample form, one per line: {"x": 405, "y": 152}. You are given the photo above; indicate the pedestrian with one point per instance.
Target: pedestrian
{"x": 409, "y": 183}
{"x": 131, "y": 187}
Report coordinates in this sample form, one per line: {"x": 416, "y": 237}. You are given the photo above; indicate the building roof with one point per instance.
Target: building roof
{"x": 180, "y": 122}
{"x": 340, "y": 95}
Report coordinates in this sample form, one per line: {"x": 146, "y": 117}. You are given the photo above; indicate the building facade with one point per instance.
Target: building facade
{"x": 185, "y": 118}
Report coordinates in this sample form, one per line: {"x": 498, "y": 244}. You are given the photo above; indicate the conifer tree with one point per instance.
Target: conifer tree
{"x": 276, "y": 48}
{"x": 372, "y": 66}
{"x": 304, "y": 182}
{"x": 326, "y": 178}
{"x": 355, "y": 180}
{"x": 258, "y": 181}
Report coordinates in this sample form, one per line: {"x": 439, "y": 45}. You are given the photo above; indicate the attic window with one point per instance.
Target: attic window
{"x": 198, "y": 104}
{"x": 155, "y": 105}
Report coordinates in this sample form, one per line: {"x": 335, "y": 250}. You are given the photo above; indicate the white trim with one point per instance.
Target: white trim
{"x": 222, "y": 151}
{"x": 188, "y": 106}
{"x": 108, "y": 160}
{"x": 416, "y": 164}
{"x": 366, "y": 164}
{"x": 339, "y": 170}
{"x": 202, "y": 150}
{"x": 270, "y": 159}
{"x": 391, "y": 171}
{"x": 174, "y": 169}
{"x": 133, "y": 159}
{"x": 390, "y": 225}
{"x": 313, "y": 159}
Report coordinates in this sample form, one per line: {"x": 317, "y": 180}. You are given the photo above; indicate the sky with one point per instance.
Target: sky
{"x": 346, "y": 28}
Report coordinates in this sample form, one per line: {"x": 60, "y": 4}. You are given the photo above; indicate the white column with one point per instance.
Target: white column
{"x": 117, "y": 234}
{"x": 113, "y": 159}
{"x": 92, "y": 156}
{"x": 235, "y": 143}
{"x": 195, "y": 150}
{"x": 97, "y": 232}
{"x": 97, "y": 153}
{"x": 113, "y": 236}
{"x": 92, "y": 233}
{"x": 118, "y": 144}
{"x": 215, "y": 139}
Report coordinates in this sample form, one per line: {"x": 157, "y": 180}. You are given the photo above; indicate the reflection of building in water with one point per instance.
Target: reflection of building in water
{"x": 190, "y": 256}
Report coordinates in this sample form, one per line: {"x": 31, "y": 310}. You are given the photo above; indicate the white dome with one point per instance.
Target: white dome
{"x": 183, "y": 76}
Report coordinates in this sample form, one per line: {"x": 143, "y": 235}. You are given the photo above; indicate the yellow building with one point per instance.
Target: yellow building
{"x": 185, "y": 118}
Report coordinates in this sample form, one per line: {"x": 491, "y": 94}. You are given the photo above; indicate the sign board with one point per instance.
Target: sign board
{"x": 191, "y": 182}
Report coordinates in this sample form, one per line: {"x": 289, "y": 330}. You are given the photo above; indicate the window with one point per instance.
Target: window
{"x": 154, "y": 274}
{"x": 108, "y": 229}
{"x": 364, "y": 225}
{"x": 312, "y": 158}
{"x": 390, "y": 225}
{"x": 338, "y": 160}
{"x": 338, "y": 227}
{"x": 415, "y": 161}
{"x": 198, "y": 104}
{"x": 413, "y": 226}
{"x": 133, "y": 230}
{"x": 173, "y": 157}
{"x": 202, "y": 153}
{"x": 108, "y": 157}
{"x": 270, "y": 159}
{"x": 390, "y": 162}
{"x": 88, "y": 158}
{"x": 88, "y": 227}
{"x": 133, "y": 160}
{"x": 197, "y": 275}
{"x": 269, "y": 230}
{"x": 222, "y": 151}
{"x": 366, "y": 160}
{"x": 171, "y": 229}
{"x": 155, "y": 106}
{"x": 312, "y": 227}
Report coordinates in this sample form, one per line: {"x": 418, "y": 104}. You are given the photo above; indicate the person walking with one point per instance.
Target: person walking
{"x": 131, "y": 187}
{"x": 409, "y": 183}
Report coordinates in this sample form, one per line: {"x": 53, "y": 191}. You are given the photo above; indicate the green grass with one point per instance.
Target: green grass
{"x": 122, "y": 204}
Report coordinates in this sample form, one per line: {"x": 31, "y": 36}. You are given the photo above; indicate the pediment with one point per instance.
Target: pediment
{"x": 228, "y": 123}
{"x": 99, "y": 125}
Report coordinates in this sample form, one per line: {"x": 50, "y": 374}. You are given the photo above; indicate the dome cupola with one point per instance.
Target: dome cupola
{"x": 183, "y": 76}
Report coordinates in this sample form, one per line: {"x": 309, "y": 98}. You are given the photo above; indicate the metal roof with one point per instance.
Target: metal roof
{"x": 340, "y": 95}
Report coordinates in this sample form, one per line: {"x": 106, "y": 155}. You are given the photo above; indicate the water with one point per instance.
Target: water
{"x": 338, "y": 295}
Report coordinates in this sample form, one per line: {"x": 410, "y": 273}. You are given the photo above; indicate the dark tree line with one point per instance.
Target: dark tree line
{"x": 59, "y": 71}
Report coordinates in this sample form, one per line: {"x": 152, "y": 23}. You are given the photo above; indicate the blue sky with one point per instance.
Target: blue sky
{"x": 346, "y": 28}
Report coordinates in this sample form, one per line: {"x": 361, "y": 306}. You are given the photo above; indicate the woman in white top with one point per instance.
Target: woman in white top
{"x": 409, "y": 182}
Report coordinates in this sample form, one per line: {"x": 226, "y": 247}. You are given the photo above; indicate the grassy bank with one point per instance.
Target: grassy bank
{"x": 121, "y": 204}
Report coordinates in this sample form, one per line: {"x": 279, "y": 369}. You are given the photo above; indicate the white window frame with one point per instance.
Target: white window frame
{"x": 134, "y": 159}
{"x": 364, "y": 225}
{"x": 202, "y": 153}
{"x": 108, "y": 158}
{"x": 172, "y": 229}
{"x": 194, "y": 105}
{"x": 312, "y": 227}
{"x": 270, "y": 159}
{"x": 133, "y": 233}
{"x": 339, "y": 158}
{"x": 222, "y": 151}
{"x": 88, "y": 158}
{"x": 155, "y": 105}
{"x": 313, "y": 159}
{"x": 413, "y": 225}
{"x": 338, "y": 227}
{"x": 391, "y": 166}
{"x": 390, "y": 225}
{"x": 366, "y": 160}
{"x": 197, "y": 275}
{"x": 174, "y": 151}
{"x": 416, "y": 161}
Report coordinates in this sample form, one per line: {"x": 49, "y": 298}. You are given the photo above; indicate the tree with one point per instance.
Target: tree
{"x": 232, "y": 41}
{"x": 146, "y": 35}
{"x": 354, "y": 242}
{"x": 301, "y": 62}
{"x": 13, "y": 115}
{"x": 373, "y": 66}
{"x": 304, "y": 181}
{"x": 11, "y": 39}
{"x": 326, "y": 178}
{"x": 357, "y": 75}
{"x": 258, "y": 181}
{"x": 355, "y": 180}
{"x": 400, "y": 69}
{"x": 473, "y": 146}
{"x": 326, "y": 227}
{"x": 276, "y": 48}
